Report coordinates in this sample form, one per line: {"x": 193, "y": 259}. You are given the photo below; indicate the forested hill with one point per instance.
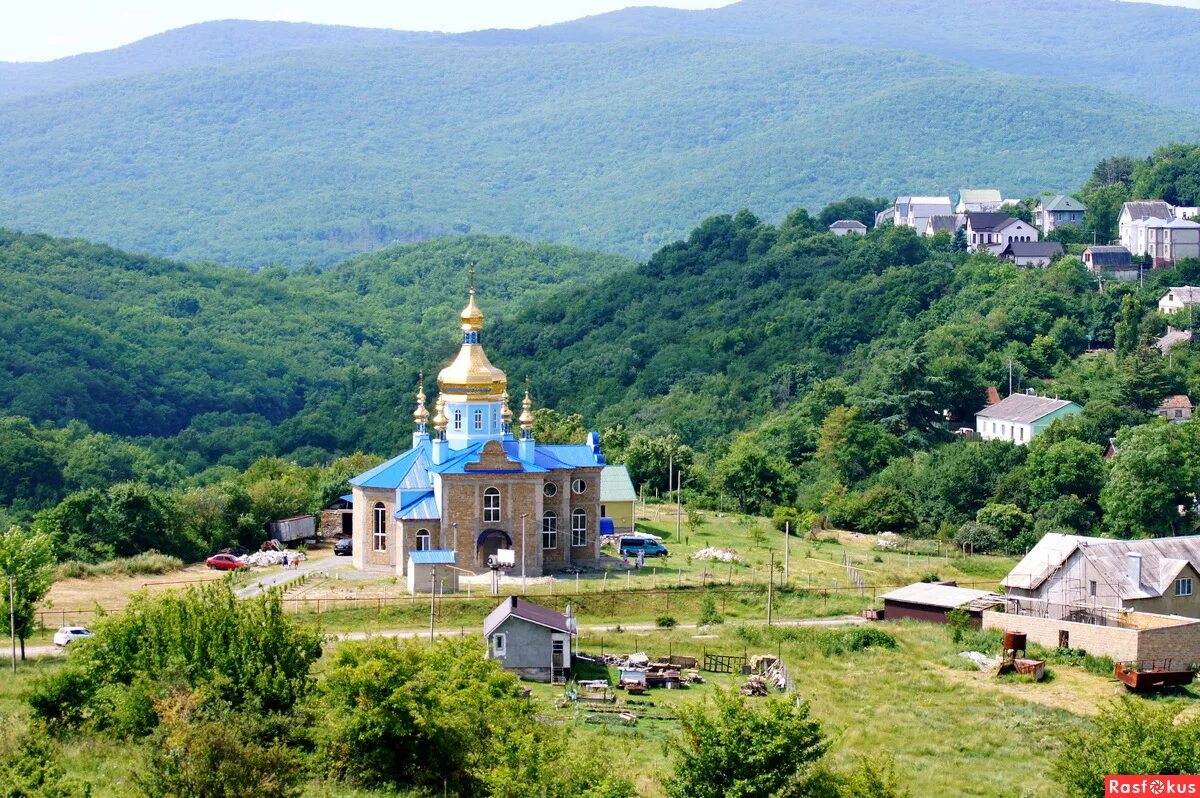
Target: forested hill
{"x": 240, "y": 364}
{"x": 313, "y": 155}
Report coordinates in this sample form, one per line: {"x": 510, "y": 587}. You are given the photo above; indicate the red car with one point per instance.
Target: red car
{"x": 224, "y": 562}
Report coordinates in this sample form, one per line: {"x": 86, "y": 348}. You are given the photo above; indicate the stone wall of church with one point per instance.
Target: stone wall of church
{"x": 366, "y": 553}
{"x": 589, "y": 501}
{"x": 520, "y": 493}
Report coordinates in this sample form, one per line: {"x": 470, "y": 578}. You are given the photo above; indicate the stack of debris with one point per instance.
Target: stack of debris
{"x": 714, "y": 553}
{"x": 756, "y": 685}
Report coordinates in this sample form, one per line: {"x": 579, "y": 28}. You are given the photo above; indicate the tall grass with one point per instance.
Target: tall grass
{"x": 144, "y": 564}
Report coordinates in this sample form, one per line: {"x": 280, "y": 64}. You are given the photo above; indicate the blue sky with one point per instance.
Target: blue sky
{"x": 47, "y": 29}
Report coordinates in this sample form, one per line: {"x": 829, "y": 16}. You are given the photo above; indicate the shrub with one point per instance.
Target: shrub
{"x": 146, "y": 564}
{"x": 977, "y": 538}
{"x": 857, "y": 638}
{"x": 665, "y": 622}
{"x": 708, "y": 612}
{"x": 247, "y": 652}
{"x": 960, "y": 623}
{"x": 31, "y": 766}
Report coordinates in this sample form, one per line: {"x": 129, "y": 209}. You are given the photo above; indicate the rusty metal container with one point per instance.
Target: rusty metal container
{"x": 1014, "y": 641}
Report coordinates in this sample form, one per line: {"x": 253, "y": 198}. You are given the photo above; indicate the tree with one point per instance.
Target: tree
{"x": 1066, "y": 467}
{"x": 734, "y": 750}
{"x": 1008, "y": 520}
{"x": 1142, "y": 379}
{"x": 755, "y": 479}
{"x": 852, "y": 448}
{"x": 31, "y": 766}
{"x": 1127, "y": 333}
{"x": 648, "y": 459}
{"x": 1154, "y": 480}
{"x": 976, "y": 538}
{"x": 550, "y": 426}
{"x": 1129, "y": 736}
{"x": 28, "y": 557}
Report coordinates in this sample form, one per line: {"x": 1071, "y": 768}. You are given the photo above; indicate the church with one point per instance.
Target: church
{"x": 473, "y": 486}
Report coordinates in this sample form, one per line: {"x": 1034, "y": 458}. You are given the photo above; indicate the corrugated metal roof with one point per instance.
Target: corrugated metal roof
{"x": 1162, "y": 558}
{"x": 1024, "y": 409}
{"x": 1062, "y": 202}
{"x": 615, "y": 485}
{"x": 388, "y": 474}
{"x": 978, "y": 195}
{"x": 1185, "y": 294}
{"x": 847, "y": 224}
{"x": 1033, "y": 249}
{"x": 432, "y": 557}
{"x": 945, "y": 596}
{"x": 1138, "y": 209}
{"x": 527, "y": 611}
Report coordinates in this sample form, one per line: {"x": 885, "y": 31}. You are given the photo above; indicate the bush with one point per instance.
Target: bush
{"x": 209, "y": 750}
{"x": 247, "y": 652}
{"x": 858, "y": 638}
{"x": 665, "y": 622}
{"x": 708, "y": 612}
{"x": 976, "y": 538}
{"x": 31, "y": 766}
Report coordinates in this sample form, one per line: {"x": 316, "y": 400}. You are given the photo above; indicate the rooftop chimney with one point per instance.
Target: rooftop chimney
{"x": 1031, "y": 391}
{"x": 1135, "y": 568}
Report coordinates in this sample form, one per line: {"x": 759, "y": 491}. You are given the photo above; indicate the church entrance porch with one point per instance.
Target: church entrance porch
{"x": 489, "y": 542}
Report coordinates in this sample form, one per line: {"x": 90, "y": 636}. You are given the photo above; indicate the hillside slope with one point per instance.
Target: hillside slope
{"x": 140, "y": 346}
{"x": 314, "y": 155}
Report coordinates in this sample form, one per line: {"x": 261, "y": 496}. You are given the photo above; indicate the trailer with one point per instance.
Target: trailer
{"x": 1152, "y": 675}
{"x": 290, "y": 530}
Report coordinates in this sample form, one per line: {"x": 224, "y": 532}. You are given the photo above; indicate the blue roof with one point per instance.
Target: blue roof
{"x": 419, "y": 508}
{"x": 432, "y": 557}
{"x": 348, "y": 498}
{"x": 568, "y": 455}
{"x": 389, "y": 474}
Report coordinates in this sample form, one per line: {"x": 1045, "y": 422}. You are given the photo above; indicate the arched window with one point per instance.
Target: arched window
{"x": 550, "y": 490}
{"x": 379, "y": 536}
{"x": 549, "y": 531}
{"x": 478, "y": 420}
{"x": 422, "y": 540}
{"x": 458, "y": 419}
{"x": 491, "y": 505}
{"x": 579, "y": 528}
{"x": 579, "y": 486}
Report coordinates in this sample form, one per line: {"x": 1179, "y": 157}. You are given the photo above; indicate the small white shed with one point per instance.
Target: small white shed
{"x": 432, "y": 570}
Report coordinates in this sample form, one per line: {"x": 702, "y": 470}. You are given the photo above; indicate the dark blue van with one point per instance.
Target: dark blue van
{"x": 629, "y": 547}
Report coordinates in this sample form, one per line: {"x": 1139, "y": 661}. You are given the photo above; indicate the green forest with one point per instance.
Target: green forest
{"x": 787, "y": 370}
{"x": 310, "y": 156}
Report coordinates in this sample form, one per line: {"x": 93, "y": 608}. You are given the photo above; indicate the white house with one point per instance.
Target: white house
{"x": 915, "y": 212}
{"x": 943, "y": 224}
{"x": 843, "y": 227}
{"x": 978, "y": 200}
{"x": 995, "y": 231}
{"x": 1020, "y": 417}
{"x": 1133, "y": 235}
{"x": 1057, "y": 211}
{"x": 1179, "y": 297}
{"x": 1170, "y": 240}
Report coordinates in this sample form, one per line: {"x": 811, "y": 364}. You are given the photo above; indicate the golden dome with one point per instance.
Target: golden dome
{"x": 526, "y": 418}
{"x": 471, "y": 316}
{"x": 505, "y": 410}
{"x": 471, "y": 375}
{"x": 440, "y": 420}
{"x": 421, "y": 415}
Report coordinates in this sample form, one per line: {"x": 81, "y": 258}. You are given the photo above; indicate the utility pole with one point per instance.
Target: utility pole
{"x": 523, "y": 517}
{"x": 1010, "y": 376}
{"x": 678, "y": 504}
{"x": 787, "y": 549}
{"x": 12, "y": 617}
{"x": 770, "y": 585}
{"x": 432, "y": 599}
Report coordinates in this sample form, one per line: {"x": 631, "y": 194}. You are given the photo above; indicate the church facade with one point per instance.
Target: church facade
{"x": 473, "y": 486}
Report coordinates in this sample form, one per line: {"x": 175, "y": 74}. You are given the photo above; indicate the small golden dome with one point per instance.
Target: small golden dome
{"x": 421, "y": 415}
{"x": 526, "y": 418}
{"x": 440, "y": 420}
{"x": 471, "y": 316}
{"x": 505, "y": 410}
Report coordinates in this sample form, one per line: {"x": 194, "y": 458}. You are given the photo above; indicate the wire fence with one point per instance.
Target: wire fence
{"x": 660, "y": 600}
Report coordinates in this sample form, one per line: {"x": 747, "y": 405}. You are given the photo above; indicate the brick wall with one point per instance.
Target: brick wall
{"x": 1179, "y": 641}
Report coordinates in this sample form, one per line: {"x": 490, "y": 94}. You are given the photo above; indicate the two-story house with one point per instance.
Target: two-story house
{"x": 1057, "y": 211}
{"x": 995, "y": 231}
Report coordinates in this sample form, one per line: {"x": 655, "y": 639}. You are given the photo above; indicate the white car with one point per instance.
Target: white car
{"x": 69, "y": 634}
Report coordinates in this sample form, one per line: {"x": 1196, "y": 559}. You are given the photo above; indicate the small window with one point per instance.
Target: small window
{"x": 491, "y": 505}
{"x": 1092, "y": 588}
{"x": 458, "y": 419}
{"x": 603, "y": 511}
{"x": 550, "y": 490}
{"x": 579, "y": 528}
{"x": 1183, "y": 586}
{"x": 498, "y": 642}
{"x": 478, "y": 420}
{"x": 1022, "y": 435}
{"x": 379, "y": 536}
{"x": 422, "y": 543}
{"x": 579, "y": 486}
{"x": 549, "y": 531}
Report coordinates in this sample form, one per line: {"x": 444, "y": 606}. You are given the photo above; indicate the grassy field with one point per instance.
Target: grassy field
{"x": 952, "y": 729}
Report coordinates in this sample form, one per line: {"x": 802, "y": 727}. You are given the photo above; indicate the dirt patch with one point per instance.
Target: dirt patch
{"x": 1075, "y": 691}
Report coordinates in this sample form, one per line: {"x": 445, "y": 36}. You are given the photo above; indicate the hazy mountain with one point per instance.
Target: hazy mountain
{"x": 315, "y": 154}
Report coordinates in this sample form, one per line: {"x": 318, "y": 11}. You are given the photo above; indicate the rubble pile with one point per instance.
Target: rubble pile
{"x": 718, "y": 554}
{"x": 262, "y": 559}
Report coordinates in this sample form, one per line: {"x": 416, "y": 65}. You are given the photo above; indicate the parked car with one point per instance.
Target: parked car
{"x": 344, "y": 547}
{"x": 69, "y": 634}
{"x": 224, "y": 562}
{"x": 629, "y": 547}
